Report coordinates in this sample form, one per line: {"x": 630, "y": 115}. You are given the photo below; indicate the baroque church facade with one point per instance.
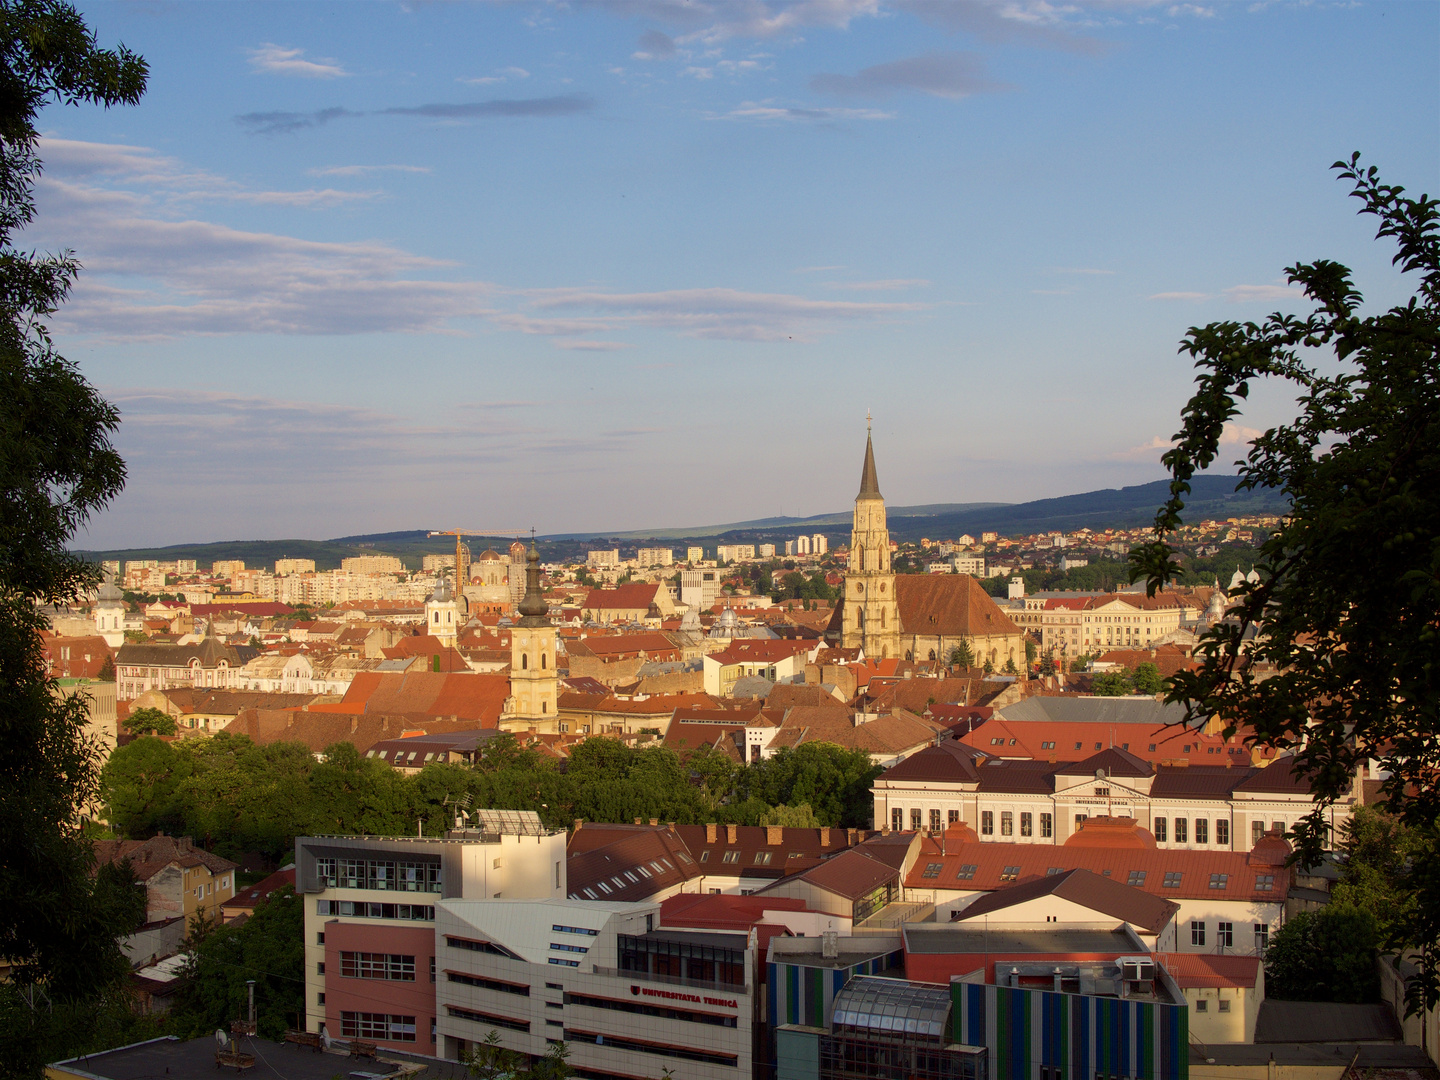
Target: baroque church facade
{"x": 913, "y": 616}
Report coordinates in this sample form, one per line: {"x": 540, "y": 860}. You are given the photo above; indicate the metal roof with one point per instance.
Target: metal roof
{"x": 893, "y": 1007}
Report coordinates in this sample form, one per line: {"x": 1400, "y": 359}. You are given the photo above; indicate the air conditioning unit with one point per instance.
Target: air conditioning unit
{"x": 1136, "y": 968}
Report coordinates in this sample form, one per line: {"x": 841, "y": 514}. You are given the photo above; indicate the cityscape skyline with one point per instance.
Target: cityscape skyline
{"x": 499, "y": 262}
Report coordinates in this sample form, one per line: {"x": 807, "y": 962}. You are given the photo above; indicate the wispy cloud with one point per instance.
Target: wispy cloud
{"x": 503, "y": 75}
{"x": 769, "y": 111}
{"x": 655, "y": 45}
{"x": 1038, "y": 23}
{"x": 271, "y": 59}
{"x": 593, "y": 346}
{"x": 1240, "y": 294}
{"x": 171, "y": 182}
{"x": 951, "y": 75}
{"x": 1247, "y": 294}
{"x": 1232, "y": 435}
{"x": 154, "y": 274}
{"x": 365, "y": 170}
{"x": 887, "y": 285}
{"x": 287, "y": 123}
{"x": 724, "y": 313}
{"x": 712, "y": 22}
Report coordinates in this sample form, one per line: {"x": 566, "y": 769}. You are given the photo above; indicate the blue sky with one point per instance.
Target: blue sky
{"x": 612, "y": 265}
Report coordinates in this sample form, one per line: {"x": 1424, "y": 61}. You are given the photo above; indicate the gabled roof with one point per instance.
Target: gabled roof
{"x": 1115, "y": 762}
{"x": 636, "y": 865}
{"x": 760, "y": 651}
{"x": 984, "y": 867}
{"x": 628, "y": 597}
{"x": 149, "y": 857}
{"x": 851, "y": 874}
{"x": 1101, "y": 894}
{"x": 949, "y": 762}
{"x": 953, "y": 605}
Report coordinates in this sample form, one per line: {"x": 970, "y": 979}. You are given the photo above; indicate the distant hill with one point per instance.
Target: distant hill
{"x": 1212, "y": 497}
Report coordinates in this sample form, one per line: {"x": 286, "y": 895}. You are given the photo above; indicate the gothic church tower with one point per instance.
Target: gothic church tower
{"x": 871, "y": 615}
{"x": 534, "y": 684}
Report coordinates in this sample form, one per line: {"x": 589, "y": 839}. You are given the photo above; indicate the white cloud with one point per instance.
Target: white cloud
{"x": 1180, "y": 296}
{"x": 769, "y": 111}
{"x": 271, "y": 59}
{"x": 505, "y": 74}
{"x": 1231, "y": 435}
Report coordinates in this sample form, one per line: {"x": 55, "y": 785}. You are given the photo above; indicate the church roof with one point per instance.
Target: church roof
{"x": 869, "y": 483}
{"x": 953, "y": 605}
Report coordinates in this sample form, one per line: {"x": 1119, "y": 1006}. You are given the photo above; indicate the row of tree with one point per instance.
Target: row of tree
{"x": 236, "y": 797}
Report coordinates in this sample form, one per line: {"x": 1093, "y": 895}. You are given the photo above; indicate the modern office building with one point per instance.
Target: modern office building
{"x": 370, "y": 904}
{"x": 628, "y": 998}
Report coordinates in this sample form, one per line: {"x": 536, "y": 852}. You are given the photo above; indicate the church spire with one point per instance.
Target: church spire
{"x": 869, "y": 484}
{"x": 533, "y": 607}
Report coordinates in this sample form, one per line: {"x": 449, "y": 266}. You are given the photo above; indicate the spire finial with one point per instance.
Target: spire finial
{"x": 867, "y": 421}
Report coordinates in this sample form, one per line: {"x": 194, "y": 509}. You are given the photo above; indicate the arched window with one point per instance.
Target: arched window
{"x": 860, "y": 618}
{"x": 524, "y": 662}
{"x": 932, "y": 654}
{"x": 882, "y": 618}
{"x": 543, "y": 664}
{"x": 909, "y": 655}
{"x": 544, "y": 706}
{"x": 859, "y": 556}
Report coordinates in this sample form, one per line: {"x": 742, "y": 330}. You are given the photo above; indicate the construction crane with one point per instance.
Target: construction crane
{"x": 458, "y": 533}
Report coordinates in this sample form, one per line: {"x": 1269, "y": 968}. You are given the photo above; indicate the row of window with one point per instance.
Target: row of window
{"x": 366, "y": 965}
{"x": 360, "y": 909}
{"x": 379, "y": 874}
{"x": 1225, "y": 935}
{"x": 1135, "y": 878}
{"x": 1160, "y": 826}
{"x": 380, "y": 1026}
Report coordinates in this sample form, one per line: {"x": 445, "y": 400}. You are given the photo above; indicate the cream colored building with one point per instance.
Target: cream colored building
{"x": 372, "y": 564}
{"x": 534, "y": 682}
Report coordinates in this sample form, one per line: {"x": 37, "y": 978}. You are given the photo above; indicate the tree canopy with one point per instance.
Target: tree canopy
{"x": 57, "y": 467}
{"x": 1332, "y": 654}
{"x": 236, "y": 797}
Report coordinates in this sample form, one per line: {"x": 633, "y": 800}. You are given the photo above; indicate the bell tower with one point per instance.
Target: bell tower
{"x": 871, "y": 616}
{"x": 534, "y": 685}
{"x": 442, "y": 614}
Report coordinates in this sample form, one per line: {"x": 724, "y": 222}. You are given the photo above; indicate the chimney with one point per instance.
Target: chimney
{"x": 731, "y": 833}
{"x": 639, "y": 821}
{"x": 774, "y": 835}
{"x": 851, "y": 835}
{"x": 579, "y": 821}
{"x": 712, "y": 833}
{"x": 825, "y": 836}
{"x": 654, "y": 821}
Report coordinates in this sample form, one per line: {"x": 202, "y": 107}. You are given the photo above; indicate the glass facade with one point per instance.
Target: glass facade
{"x": 895, "y": 1030}
{"x": 676, "y": 958}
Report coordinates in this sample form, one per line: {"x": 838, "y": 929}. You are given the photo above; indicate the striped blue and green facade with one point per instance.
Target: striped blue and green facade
{"x": 799, "y": 994}
{"x": 1042, "y": 1035}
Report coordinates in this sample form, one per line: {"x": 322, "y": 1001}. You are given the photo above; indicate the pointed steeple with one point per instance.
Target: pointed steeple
{"x": 533, "y": 608}
{"x": 869, "y": 484}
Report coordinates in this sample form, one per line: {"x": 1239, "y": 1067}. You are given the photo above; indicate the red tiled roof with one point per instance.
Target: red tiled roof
{"x": 1207, "y": 970}
{"x": 850, "y": 874}
{"x": 702, "y": 911}
{"x": 1029, "y": 861}
{"x": 630, "y": 596}
{"x": 760, "y": 651}
{"x": 953, "y": 605}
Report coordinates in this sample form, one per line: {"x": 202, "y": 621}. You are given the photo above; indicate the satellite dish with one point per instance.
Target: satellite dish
{"x": 1099, "y": 774}
{"x": 221, "y": 1039}
{"x": 325, "y": 1038}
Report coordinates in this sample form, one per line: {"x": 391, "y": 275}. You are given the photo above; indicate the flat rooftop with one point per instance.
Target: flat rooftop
{"x": 191, "y": 1058}
{"x": 923, "y": 938}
